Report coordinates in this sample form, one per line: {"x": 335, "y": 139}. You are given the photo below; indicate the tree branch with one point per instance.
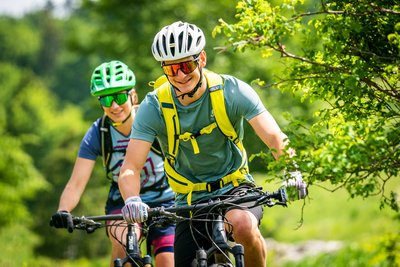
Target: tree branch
{"x": 373, "y": 84}
{"x": 340, "y": 12}
{"x": 385, "y": 10}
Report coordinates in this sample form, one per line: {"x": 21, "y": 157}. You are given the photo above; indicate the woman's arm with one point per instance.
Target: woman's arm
{"x": 76, "y": 185}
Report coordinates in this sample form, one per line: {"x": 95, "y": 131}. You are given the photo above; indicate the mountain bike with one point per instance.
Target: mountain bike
{"x": 131, "y": 244}
{"x": 223, "y": 252}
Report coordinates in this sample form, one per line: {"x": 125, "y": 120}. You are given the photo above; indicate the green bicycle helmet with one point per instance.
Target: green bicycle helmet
{"x": 111, "y": 77}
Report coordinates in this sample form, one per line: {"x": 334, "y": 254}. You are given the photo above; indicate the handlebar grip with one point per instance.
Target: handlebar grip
{"x": 280, "y": 195}
{"x": 283, "y": 197}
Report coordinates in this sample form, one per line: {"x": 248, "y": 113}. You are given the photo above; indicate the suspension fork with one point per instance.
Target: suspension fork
{"x": 221, "y": 240}
{"x": 132, "y": 250}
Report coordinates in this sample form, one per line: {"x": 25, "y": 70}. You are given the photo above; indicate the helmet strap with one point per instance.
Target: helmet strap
{"x": 194, "y": 90}
{"x": 116, "y": 124}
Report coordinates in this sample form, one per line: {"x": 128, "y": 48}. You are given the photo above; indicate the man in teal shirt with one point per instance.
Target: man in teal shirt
{"x": 205, "y": 155}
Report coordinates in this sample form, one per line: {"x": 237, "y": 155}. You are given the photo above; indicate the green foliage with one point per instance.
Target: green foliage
{"x": 20, "y": 45}
{"x": 39, "y": 140}
{"x": 82, "y": 262}
{"x": 16, "y": 244}
{"x": 20, "y": 180}
{"x": 346, "y": 54}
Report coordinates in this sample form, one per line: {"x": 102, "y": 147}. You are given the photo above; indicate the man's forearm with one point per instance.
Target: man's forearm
{"x": 129, "y": 183}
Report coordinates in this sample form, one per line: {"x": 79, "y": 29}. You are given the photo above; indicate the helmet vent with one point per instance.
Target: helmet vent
{"x": 172, "y": 45}
{"x": 189, "y": 41}
{"x": 164, "y": 45}
{"x": 180, "y": 43}
{"x": 198, "y": 41}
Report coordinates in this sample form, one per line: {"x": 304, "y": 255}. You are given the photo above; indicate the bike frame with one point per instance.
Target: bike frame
{"x": 220, "y": 248}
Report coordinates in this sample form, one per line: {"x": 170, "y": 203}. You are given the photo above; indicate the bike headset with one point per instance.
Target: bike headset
{"x": 176, "y": 41}
{"x": 110, "y": 78}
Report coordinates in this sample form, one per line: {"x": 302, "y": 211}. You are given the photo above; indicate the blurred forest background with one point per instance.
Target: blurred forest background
{"x": 327, "y": 70}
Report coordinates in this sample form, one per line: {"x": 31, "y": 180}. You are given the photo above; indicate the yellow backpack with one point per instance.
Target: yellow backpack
{"x": 179, "y": 183}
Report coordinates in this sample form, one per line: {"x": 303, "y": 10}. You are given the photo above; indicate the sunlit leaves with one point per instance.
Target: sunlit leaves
{"x": 346, "y": 54}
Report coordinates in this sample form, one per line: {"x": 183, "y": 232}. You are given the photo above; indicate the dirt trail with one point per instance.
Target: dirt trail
{"x": 296, "y": 252}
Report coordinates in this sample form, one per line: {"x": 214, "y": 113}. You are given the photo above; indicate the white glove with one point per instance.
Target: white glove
{"x": 135, "y": 211}
{"x": 296, "y": 188}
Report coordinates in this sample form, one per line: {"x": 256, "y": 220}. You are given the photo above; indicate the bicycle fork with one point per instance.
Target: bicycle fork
{"x": 220, "y": 248}
{"x": 133, "y": 254}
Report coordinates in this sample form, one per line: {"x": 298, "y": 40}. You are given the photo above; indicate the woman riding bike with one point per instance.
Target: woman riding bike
{"x": 113, "y": 84}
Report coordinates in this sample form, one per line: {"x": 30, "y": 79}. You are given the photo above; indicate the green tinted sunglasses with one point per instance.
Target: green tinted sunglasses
{"x": 120, "y": 98}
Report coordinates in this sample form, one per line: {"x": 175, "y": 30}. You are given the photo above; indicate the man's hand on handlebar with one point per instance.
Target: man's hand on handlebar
{"x": 135, "y": 211}
{"x": 295, "y": 186}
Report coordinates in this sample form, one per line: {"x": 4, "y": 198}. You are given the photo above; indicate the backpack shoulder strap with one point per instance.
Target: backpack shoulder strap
{"x": 160, "y": 81}
{"x": 169, "y": 112}
{"x": 216, "y": 86}
{"x": 156, "y": 148}
{"x": 106, "y": 142}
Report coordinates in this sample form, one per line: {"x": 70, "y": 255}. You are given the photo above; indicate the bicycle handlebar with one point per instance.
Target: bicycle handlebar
{"x": 91, "y": 223}
{"x": 263, "y": 198}
{"x": 163, "y": 215}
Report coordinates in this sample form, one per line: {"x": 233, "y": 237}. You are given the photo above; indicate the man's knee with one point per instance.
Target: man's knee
{"x": 245, "y": 225}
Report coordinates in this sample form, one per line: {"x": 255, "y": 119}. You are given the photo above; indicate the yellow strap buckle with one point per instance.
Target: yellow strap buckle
{"x": 189, "y": 136}
{"x": 208, "y": 129}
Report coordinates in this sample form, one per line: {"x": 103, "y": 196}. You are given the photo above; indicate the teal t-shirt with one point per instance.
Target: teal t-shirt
{"x": 218, "y": 156}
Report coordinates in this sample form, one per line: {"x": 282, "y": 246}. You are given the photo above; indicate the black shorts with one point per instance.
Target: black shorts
{"x": 191, "y": 235}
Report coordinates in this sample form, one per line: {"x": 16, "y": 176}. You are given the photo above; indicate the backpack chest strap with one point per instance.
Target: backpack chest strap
{"x": 192, "y": 137}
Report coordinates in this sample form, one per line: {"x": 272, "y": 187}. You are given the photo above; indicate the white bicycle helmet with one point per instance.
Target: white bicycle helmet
{"x": 178, "y": 40}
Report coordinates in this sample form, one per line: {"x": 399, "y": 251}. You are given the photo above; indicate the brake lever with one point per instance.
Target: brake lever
{"x": 267, "y": 201}
{"x": 86, "y": 224}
